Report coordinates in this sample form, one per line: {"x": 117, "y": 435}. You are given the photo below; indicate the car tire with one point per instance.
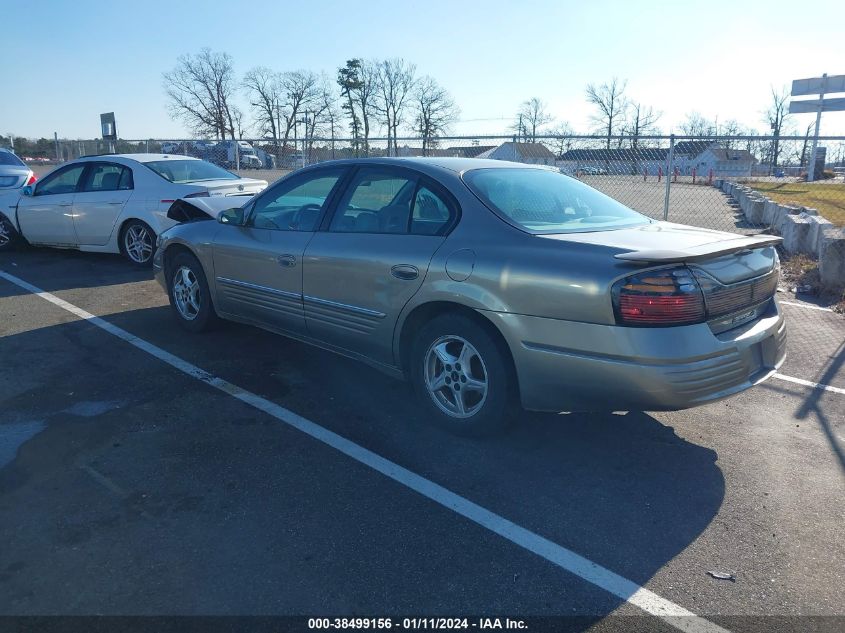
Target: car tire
{"x": 9, "y": 238}
{"x": 138, "y": 243}
{"x": 190, "y": 299}
{"x": 476, "y": 398}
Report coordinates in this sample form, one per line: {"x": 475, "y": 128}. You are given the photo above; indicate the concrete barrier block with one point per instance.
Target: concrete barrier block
{"x": 796, "y": 234}
{"x": 817, "y": 226}
{"x": 809, "y": 211}
{"x": 755, "y": 210}
{"x": 832, "y": 258}
{"x": 769, "y": 208}
{"x": 718, "y": 183}
{"x": 782, "y": 212}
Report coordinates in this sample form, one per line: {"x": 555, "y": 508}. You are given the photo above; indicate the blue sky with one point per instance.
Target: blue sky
{"x": 720, "y": 58}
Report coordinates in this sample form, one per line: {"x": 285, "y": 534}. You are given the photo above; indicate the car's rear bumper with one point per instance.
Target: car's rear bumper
{"x": 567, "y": 366}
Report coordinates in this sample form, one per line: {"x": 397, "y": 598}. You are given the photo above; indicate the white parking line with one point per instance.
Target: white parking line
{"x": 564, "y": 558}
{"x": 804, "y": 305}
{"x": 809, "y": 383}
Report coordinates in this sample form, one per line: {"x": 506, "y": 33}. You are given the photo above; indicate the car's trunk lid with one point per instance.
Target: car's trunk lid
{"x": 239, "y": 187}
{"x": 727, "y": 257}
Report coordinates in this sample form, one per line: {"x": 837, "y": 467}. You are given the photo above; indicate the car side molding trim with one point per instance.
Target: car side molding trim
{"x": 345, "y": 306}
{"x": 244, "y": 284}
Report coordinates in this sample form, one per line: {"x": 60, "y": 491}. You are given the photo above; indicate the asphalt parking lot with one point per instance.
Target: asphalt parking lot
{"x": 129, "y": 485}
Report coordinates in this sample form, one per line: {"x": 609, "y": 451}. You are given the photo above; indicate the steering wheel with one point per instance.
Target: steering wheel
{"x": 297, "y": 217}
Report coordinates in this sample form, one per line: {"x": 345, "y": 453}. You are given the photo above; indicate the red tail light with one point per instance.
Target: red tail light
{"x": 659, "y": 297}
{"x": 31, "y": 180}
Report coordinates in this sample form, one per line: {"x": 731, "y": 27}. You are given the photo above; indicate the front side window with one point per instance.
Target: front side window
{"x": 377, "y": 201}
{"x": 295, "y": 205}
{"x": 545, "y": 201}
{"x": 108, "y": 177}
{"x": 62, "y": 181}
{"x": 185, "y": 171}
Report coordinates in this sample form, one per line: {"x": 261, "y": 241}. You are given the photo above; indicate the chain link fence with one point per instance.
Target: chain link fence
{"x": 664, "y": 177}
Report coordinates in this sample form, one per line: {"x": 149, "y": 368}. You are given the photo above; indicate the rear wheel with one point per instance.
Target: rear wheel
{"x": 189, "y": 296}
{"x": 462, "y": 376}
{"x": 137, "y": 243}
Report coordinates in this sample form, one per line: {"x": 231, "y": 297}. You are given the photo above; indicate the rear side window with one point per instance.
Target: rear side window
{"x": 63, "y": 181}
{"x": 108, "y": 177}
{"x": 545, "y": 201}
{"x": 376, "y": 201}
{"x": 7, "y": 158}
{"x": 431, "y": 214}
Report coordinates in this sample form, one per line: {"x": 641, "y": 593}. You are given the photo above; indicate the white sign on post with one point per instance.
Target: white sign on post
{"x": 817, "y": 86}
{"x": 813, "y": 105}
{"x": 801, "y": 87}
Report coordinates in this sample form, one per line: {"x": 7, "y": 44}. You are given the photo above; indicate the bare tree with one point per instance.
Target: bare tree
{"x": 696, "y": 125}
{"x": 610, "y": 102}
{"x": 434, "y": 111}
{"x": 394, "y": 82}
{"x": 300, "y": 92}
{"x": 641, "y": 120}
{"x": 563, "y": 141}
{"x": 329, "y": 115}
{"x": 264, "y": 87}
{"x": 200, "y": 89}
{"x": 530, "y": 117}
{"x": 366, "y": 97}
{"x": 776, "y": 116}
{"x": 731, "y": 127}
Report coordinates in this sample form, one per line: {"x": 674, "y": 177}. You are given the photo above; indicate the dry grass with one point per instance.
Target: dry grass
{"x": 829, "y": 199}
{"x": 800, "y": 273}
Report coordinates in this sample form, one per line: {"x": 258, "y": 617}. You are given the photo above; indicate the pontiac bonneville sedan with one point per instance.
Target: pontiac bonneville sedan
{"x": 487, "y": 284}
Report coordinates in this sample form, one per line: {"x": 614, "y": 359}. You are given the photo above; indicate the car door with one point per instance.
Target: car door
{"x": 257, "y": 266}
{"x": 104, "y": 191}
{"x": 360, "y": 272}
{"x": 46, "y": 217}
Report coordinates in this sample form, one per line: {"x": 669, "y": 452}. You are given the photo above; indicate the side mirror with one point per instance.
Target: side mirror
{"x": 29, "y": 190}
{"x": 232, "y": 216}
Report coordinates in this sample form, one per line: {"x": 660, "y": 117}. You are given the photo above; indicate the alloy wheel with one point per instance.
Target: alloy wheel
{"x": 138, "y": 242}
{"x": 186, "y": 293}
{"x": 5, "y": 233}
{"x": 455, "y": 376}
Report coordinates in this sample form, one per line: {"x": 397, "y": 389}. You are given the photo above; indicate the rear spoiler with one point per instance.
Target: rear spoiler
{"x": 702, "y": 251}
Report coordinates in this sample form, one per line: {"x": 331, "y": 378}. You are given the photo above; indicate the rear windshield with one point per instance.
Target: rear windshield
{"x": 182, "y": 171}
{"x": 7, "y": 158}
{"x": 545, "y": 201}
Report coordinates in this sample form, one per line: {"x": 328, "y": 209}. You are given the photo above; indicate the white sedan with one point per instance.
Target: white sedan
{"x": 115, "y": 203}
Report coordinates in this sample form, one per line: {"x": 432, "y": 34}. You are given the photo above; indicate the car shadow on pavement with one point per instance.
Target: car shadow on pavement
{"x": 196, "y": 495}
{"x": 53, "y": 269}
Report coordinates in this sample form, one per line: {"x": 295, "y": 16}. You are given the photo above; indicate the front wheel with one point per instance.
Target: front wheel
{"x": 8, "y": 235}
{"x": 137, "y": 243}
{"x": 189, "y": 296}
{"x": 462, "y": 376}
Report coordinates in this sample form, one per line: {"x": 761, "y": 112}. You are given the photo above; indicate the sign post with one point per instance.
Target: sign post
{"x": 820, "y": 86}
{"x": 109, "y": 129}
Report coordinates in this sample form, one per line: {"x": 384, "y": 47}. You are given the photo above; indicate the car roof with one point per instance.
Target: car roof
{"x": 453, "y": 164}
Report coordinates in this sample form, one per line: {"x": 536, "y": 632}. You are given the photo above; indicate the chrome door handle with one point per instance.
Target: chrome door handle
{"x": 288, "y": 261}
{"x": 405, "y": 272}
{"x": 118, "y": 202}
{"x": 65, "y": 204}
